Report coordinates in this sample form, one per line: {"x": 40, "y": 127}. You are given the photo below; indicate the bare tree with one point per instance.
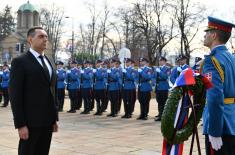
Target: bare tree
{"x": 189, "y": 16}
{"x": 52, "y": 19}
{"x": 148, "y": 18}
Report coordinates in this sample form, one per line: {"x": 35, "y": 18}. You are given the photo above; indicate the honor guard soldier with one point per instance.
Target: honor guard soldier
{"x": 119, "y": 67}
{"x": 113, "y": 87}
{"x": 72, "y": 80}
{"x": 61, "y": 77}
{"x": 182, "y": 59}
{"x": 175, "y": 73}
{"x": 86, "y": 86}
{"x": 145, "y": 88}
{"x": 105, "y": 66}
{"x": 196, "y": 66}
{"x": 161, "y": 75}
{"x": 129, "y": 88}
{"x": 4, "y": 84}
{"x": 100, "y": 78}
{"x": 219, "y": 68}
{"x": 79, "y": 98}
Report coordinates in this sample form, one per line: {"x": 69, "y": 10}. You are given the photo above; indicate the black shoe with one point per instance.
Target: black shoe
{"x": 128, "y": 116}
{"x": 84, "y": 112}
{"x": 145, "y": 118}
{"x": 87, "y": 112}
{"x": 140, "y": 117}
{"x": 3, "y": 106}
{"x": 96, "y": 113}
{"x": 114, "y": 115}
{"x": 109, "y": 115}
{"x": 158, "y": 119}
{"x": 157, "y": 116}
{"x": 71, "y": 111}
{"x": 124, "y": 116}
{"x": 99, "y": 114}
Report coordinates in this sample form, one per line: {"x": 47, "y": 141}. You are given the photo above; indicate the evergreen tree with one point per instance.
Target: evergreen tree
{"x": 6, "y": 22}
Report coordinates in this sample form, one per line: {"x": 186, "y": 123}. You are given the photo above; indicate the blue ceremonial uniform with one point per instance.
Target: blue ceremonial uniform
{"x": 144, "y": 94}
{"x": 100, "y": 79}
{"x": 87, "y": 78}
{"x": 129, "y": 91}
{"x": 161, "y": 88}
{"x": 4, "y": 85}
{"x": 145, "y": 79}
{"x": 61, "y": 77}
{"x": 73, "y": 84}
{"x": 129, "y": 78}
{"x": 114, "y": 90}
{"x": 86, "y": 89}
{"x": 114, "y": 79}
{"x": 218, "y": 117}
{"x": 72, "y": 79}
{"x": 161, "y": 78}
{"x": 5, "y": 78}
{"x": 175, "y": 73}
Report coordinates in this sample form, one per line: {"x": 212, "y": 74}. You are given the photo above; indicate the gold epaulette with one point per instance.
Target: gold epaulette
{"x": 218, "y": 68}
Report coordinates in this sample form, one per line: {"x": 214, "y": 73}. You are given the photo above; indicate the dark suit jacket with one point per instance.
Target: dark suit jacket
{"x": 32, "y": 95}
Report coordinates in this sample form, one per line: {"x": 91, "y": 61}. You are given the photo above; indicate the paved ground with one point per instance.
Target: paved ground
{"x": 96, "y": 135}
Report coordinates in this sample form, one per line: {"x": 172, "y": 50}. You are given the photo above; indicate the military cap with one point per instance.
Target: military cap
{"x": 113, "y": 60}
{"x": 129, "y": 60}
{"x": 99, "y": 61}
{"x": 218, "y": 24}
{"x": 74, "y": 62}
{"x": 197, "y": 59}
{"x": 87, "y": 62}
{"x": 181, "y": 57}
{"x": 59, "y": 63}
{"x": 162, "y": 58}
{"x": 144, "y": 59}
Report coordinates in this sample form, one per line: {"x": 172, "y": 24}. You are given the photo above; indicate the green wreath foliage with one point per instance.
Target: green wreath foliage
{"x": 168, "y": 116}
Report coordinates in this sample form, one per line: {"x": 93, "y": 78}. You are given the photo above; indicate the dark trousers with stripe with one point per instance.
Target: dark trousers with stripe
{"x": 79, "y": 98}
{"x": 87, "y": 99}
{"x": 144, "y": 100}
{"x": 114, "y": 99}
{"x": 61, "y": 94}
{"x": 161, "y": 97}
{"x": 106, "y": 100}
{"x": 228, "y": 147}
{"x": 5, "y": 96}
{"x": 73, "y": 95}
{"x": 100, "y": 99}
{"x": 38, "y": 143}
{"x": 129, "y": 98}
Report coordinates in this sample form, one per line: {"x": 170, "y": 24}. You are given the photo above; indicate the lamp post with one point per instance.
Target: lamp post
{"x": 72, "y": 48}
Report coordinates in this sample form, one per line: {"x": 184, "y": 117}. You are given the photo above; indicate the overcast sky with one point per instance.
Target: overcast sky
{"x": 224, "y": 9}
{"x": 78, "y": 8}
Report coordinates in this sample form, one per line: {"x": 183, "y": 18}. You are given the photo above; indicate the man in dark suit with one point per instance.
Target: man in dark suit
{"x": 33, "y": 98}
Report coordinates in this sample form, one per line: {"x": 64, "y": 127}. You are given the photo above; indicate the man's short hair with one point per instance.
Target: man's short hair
{"x": 31, "y": 31}
{"x": 223, "y": 37}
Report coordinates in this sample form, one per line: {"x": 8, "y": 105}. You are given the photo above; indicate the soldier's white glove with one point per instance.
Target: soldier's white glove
{"x": 216, "y": 142}
{"x": 179, "y": 69}
{"x": 140, "y": 70}
{"x": 124, "y": 70}
{"x": 158, "y": 70}
{"x": 108, "y": 71}
{"x": 94, "y": 70}
{"x": 82, "y": 71}
{"x": 68, "y": 71}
